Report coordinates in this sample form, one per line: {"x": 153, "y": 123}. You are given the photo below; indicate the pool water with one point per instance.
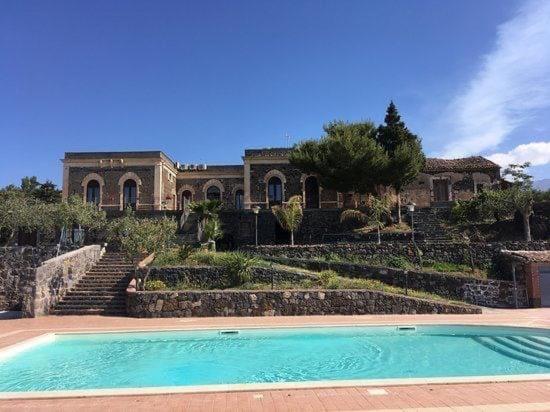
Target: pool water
{"x": 176, "y": 358}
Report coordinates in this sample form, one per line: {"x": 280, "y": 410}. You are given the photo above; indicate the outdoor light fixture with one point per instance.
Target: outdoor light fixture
{"x": 256, "y": 210}
{"x": 410, "y": 208}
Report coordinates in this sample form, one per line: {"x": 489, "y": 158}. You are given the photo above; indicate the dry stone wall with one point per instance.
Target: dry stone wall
{"x": 490, "y": 293}
{"x": 483, "y": 254}
{"x": 282, "y": 303}
{"x": 54, "y": 277}
{"x": 210, "y": 277}
{"x": 17, "y": 266}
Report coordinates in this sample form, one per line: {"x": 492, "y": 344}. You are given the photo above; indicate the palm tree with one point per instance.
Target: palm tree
{"x": 290, "y": 215}
{"x": 205, "y": 210}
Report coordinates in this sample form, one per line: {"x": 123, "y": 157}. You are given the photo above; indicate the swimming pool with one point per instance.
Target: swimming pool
{"x": 61, "y": 362}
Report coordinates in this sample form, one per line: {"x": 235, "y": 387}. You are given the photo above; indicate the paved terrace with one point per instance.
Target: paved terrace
{"x": 504, "y": 396}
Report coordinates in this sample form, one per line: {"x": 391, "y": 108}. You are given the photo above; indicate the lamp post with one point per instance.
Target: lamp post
{"x": 256, "y": 210}
{"x": 410, "y": 208}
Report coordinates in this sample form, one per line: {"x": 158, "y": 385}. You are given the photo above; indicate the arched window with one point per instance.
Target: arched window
{"x": 186, "y": 197}
{"x": 213, "y": 193}
{"x": 275, "y": 191}
{"x": 239, "y": 199}
{"x": 311, "y": 188}
{"x": 93, "y": 192}
{"x": 129, "y": 194}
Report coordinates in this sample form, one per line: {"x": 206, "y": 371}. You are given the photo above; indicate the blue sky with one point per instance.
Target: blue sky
{"x": 203, "y": 80}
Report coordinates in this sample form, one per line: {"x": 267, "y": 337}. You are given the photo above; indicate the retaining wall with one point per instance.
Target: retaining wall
{"x": 282, "y": 303}
{"x": 17, "y": 265}
{"x": 490, "y": 292}
{"x": 53, "y": 278}
{"x": 482, "y": 254}
{"x": 211, "y": 277}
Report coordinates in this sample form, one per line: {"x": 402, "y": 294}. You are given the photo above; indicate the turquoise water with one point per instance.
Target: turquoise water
{"x": 123, "y": 360}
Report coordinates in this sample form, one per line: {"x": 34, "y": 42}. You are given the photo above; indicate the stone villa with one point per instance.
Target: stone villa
{"x": 150, "y": 180}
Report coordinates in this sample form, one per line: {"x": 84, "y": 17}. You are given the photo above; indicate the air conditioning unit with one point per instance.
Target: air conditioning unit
{"x": 178, "y": 165}
{"x": 201, "y": 167}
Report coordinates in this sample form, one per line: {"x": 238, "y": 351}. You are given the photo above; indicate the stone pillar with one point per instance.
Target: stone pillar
{"x": 65, "y": 191}
{"x": 158, "y": 187}
{"x": 247, "y": 201}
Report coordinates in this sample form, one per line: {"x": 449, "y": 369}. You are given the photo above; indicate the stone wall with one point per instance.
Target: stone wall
{"x": 210, "y": 277}
{"x": 54, "y": 277}
{"x": 282, "y": 303}
{"x": 483, "y": 254}
{"x": 239, "y": 227}
{"x": 111, "y": 191}
{"x": 17, "y": 265}
{"x": 490, "y": 293}
{"x": 197, "y": 187}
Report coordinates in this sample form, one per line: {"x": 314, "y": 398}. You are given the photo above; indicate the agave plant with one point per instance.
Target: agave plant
{"x": 374, "y": 213}
{"x": 290, "y": 215}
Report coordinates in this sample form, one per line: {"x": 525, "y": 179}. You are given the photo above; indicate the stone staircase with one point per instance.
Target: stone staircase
{"x": 431, "y": 223}
{"x": 101, "y": 291}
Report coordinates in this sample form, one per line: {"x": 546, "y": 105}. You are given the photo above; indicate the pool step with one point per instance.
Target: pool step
{"x": 101, "y": 291}
{"x": 514, "y": 350}
{"x": 529, "y": 342}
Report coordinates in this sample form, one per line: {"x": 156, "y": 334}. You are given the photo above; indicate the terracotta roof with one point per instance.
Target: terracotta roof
{"x": 268, "y": 152}
{"x": 538, "y": 256}
{"x": 466, "y": 164}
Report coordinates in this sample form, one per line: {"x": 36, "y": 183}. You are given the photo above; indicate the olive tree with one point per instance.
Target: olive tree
{"x": 18, "y": 211}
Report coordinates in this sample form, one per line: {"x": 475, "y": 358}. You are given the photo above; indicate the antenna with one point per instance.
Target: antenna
{"x": 287, "y": 137}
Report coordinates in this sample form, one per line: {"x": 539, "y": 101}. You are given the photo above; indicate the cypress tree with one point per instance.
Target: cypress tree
{"x": 404, "y": 149}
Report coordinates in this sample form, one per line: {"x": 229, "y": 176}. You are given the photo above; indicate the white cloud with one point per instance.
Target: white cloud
{"x": 512, "y": 84}
{"x": 537, "y": 153}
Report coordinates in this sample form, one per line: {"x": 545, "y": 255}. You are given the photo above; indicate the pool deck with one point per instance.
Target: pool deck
{"x": 502, "y": 396}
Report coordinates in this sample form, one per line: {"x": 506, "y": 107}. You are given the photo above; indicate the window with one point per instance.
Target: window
{"x": 186, "y": 197}
{"x": 93, "y": 192}
{"x": 239, "y": 199}
{"x": 275, "y": 191}
{"x": 213, "y": 193}
{"x": 130, "y": 194}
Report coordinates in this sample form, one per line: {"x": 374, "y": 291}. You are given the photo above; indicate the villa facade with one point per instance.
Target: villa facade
{"x": 151, "y": 180}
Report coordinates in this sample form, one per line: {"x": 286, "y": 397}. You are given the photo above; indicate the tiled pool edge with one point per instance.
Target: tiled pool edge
{"x": 271, "y": 386}
{"x": 189, "y": 389}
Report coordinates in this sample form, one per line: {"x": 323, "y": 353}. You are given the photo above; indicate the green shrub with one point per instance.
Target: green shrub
{"x": 237, "y": 267}
{"x": 155, "y": 285}
{"x": 333, "y": 283}
{"x": 399, "y": 262}
{"x": 307, "y": 284}
{"x": 204, "y": 257}
{"x": 329, "y": 279}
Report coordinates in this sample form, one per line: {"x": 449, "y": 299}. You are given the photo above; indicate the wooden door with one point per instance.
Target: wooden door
{"x": 441, "y": 190}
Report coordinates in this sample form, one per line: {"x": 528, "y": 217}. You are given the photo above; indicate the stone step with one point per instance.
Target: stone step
{"x": 93, "y": 293}
{"x": 102, "y": 280}
{"x": 94, "y": 301}
{"x": 84, "y": 312}
{"x": 100, "y": 284}
{"x": 99, "y": 289}
{"x": 92, "y": 305}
